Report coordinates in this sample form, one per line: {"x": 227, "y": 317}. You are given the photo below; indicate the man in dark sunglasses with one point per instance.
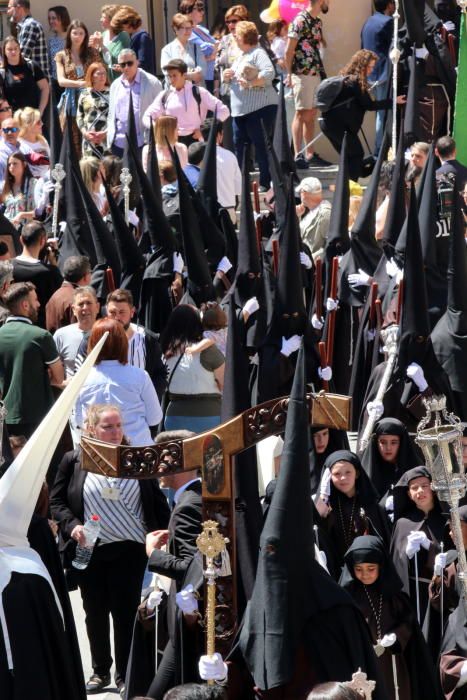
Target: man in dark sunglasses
{"x": 8, "y": 143}
{"x": 143, "y": 88}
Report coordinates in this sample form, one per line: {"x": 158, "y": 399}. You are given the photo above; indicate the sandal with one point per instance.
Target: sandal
{"x": 96, "y": 683}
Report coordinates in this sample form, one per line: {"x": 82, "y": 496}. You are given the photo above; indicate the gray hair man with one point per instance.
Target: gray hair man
{"x": 314, "y": 213}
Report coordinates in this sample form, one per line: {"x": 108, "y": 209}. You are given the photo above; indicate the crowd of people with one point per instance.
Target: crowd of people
{"x": 153, "y": 295}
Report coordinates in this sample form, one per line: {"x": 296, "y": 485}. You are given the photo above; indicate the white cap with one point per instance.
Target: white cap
{"x": 21, "y": 484}
{"x": 309, "y": 184}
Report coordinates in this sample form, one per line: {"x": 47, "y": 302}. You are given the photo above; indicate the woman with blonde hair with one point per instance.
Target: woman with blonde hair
{"x": 32, "y": 142}
{"x": 348, "y": 111}
{"x": 91, "y": 174}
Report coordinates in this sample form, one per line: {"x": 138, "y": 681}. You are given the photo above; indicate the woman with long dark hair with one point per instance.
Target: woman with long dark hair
{"x": 196, "y": 378}
{"x": 18, "y": 191}
{"x": 59, "y": 21}
{"x": 72, "y": 64}
{"x": 24, "y": 83}
{"x": 348, "y": 110}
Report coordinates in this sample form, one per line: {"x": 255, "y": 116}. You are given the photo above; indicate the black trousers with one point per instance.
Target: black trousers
{"x": 335, "y": 131}
{"x": 166, "y": 676}
{"x": 111, "y": 585}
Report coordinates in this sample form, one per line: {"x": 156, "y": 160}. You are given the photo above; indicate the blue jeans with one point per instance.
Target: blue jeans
{"x": 248, "y": 129}
{"x": 198, "y": 424}
{"x": 380, "y": 93}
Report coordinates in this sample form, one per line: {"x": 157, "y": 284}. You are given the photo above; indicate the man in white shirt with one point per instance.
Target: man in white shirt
{"x": 229, "y": 176}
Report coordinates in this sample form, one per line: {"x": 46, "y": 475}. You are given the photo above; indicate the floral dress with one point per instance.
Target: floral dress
{"x": 21, "y": 201}
{"x": 92, "y": 114}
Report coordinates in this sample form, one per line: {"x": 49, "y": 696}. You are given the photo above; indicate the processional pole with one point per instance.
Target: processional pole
{"x": 395, "y": 56}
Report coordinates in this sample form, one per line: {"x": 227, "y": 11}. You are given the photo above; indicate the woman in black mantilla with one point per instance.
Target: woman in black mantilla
{"x": 347, "y": 503}
{"x": 370, "y": 578}
{"x": 323, "y": 442}
{"x": 417, "y": 512}
{"x": 389, "y": 454}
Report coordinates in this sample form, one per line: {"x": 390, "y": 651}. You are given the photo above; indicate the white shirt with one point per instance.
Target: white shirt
{"x": 229, "y": 177}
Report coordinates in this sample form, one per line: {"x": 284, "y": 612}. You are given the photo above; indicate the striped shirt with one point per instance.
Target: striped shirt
{"x": 247, "y": 100}
{"x": 121, "y": 519}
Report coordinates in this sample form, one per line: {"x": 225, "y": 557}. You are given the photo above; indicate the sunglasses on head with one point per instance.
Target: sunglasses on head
{"x": 10, "y": 129}
{"x": 123, "y": 64}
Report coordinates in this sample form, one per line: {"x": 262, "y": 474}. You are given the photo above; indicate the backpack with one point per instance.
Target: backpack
{"x": 196, "y": 94}
{"x": 327, "y": 93}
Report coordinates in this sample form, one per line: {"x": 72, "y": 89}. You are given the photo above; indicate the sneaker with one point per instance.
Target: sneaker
{"x": 97, "y": 683}
{"x": 301, "y": 163}
{"x": 317, "y": 162}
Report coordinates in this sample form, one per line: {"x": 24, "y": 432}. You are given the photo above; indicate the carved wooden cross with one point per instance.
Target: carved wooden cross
{"x": 212, "y": 452}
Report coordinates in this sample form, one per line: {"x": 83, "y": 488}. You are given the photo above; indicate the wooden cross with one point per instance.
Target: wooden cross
{"x": 212, "y": 452}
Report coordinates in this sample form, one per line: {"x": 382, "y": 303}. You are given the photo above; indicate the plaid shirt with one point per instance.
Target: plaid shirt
{"x": 33, "y": 44}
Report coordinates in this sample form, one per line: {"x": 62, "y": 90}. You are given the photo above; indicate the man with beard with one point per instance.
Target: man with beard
{"x": 29, "y": 362}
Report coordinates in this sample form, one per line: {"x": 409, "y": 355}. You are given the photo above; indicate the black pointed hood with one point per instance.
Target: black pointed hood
{"x": 428, "y": 210}
{"x": 364, "y": 252}
{"x": 294, "y": 601}
{"x": 131, "y": 155}
{"x": 235, "y": 400}
{"x": 55, "y": 131}
{"x": 248, "y": 261}
{"x": 414, "y": 25}
{"x": 338, "y": 240}
{"x": 412, "y": 107}
{"x": 199, "y": 277}
{"x": 415, "y": 323}
{"x": 207, "y": 182}
{"x": 131, "y": 259}
{"x": 289, "y": 293}
{"x": 152, "y": 170}
{"x": 155, "y": 222}
{"x": 280, "y": 188}
{"x": 396, "y": 213}
{"x": 457, "y": 270}
{"x": 104, "y": 246}
{"x": 281, "y": 139}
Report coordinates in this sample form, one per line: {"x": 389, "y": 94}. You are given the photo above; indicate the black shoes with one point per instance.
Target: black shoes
{"x": 301, "y": 163}
{"x": 317, "y": 162}
{"x": 97, "y": 683}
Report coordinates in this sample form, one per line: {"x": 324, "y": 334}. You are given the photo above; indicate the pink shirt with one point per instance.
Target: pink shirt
{"x": 182, "y": 104}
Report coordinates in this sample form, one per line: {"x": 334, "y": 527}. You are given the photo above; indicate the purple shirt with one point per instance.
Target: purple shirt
{"x": 122, "y": 104}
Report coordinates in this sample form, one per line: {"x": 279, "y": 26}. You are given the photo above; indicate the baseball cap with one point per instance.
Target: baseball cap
{"x": 309, "y": 184}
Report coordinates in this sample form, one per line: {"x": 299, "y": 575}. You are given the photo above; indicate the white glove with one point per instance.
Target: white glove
{"x": 178, "y": 263}
{"x": 47, "y": 188}
{"x": 133, "y": 218}
{"x": 370, "y": 334}
{"x": 416, "y": 374}
{"x": 415, "y": 540}
{"x": 321, "y": 558}
{"x": 224, "y": 265}
{"x": 331, "y": 304}
{"x": 395, "y": 55}
{"x": 388, "y": 640}
{"x": 154, "y": 600}
{"x": 251, "y": 306}
{"x": 186, "y": 600}
{"x": 359, "y": 279}
{"x": 325, "y": 485}
{"x": 421, "y": 53}
{"x": 290, "y": 345}
{"x": 316, "y": 322}
{"x": 375, "y": 408}
{"x": 449, "y": 26}
{"x": 391, "y": 268}
{"x": 305, "y": 260}
{"x": 389, "y": 505}
{"x": 62, "y": 226}
{"x": 254, "y": 359}
{"x": 325, "y": 373}
{"x": 212, "y": 668}
{"x": 440, "y": 563}
{"x": 463, "y": 677}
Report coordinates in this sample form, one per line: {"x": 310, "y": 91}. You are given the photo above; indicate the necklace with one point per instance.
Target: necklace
{"x": 347, "y": 534}
{"x": 377, "y": 615}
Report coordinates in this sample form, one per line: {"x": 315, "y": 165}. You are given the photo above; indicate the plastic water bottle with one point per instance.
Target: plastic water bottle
{"x": 91, "y": 531}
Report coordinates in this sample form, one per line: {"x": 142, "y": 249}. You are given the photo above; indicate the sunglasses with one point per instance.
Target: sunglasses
{"x": 123, "y": 64}
{"x": 10, "y": 129}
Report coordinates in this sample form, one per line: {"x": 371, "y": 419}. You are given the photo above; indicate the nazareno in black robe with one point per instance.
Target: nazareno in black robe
{"x": 390, "y": 612}
{"x": 381, "y": 473}
{"x": 454, "y": 654}
{"x": 408, "y": 518}
{"x": 351, "y": 517}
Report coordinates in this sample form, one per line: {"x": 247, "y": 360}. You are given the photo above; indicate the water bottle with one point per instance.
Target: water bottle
{"x": 91, "y": 530}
